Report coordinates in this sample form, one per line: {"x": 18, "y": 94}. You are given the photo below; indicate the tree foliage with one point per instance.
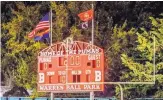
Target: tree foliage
{"x": 125, "y": 30}
{"x": 141, "y": 68}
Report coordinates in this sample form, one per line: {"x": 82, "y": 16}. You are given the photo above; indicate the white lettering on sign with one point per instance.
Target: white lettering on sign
{"x": 92, "y": 87}
{"x": 61, "y": 72}
{"x": 45, "y": 59}
{"x": 76, "y": 72}
{"x": 53, "y": 53}
{"x": 70, "y": 87}
{"x": 50, "y": 73}
{"x": 88, "y": 51}
{"x": 51, "y": 88}
{"x": 93, "y": 57}
{"x": 97, "y": 76}
{"x": 70, "y": 52}
{"x": 41, "y": 78}
{"x": 73, "y": 87}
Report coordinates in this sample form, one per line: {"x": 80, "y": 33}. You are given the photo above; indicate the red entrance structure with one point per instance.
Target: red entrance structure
{"x": 65, "y": 63}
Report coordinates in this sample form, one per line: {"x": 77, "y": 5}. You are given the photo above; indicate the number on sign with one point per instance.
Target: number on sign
{"x": 74, "y": 60}
{"x": 62, "y": 61}
{"x": 98, "y": 63}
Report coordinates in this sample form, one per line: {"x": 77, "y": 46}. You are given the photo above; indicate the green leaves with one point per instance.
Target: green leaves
{"x": 129, "y": 48}
{"x": 141, "y": 73}
{"x": 142, "y": 41}
{"x": 142, "y": 70}
{"x": 120, "y": 38}
{"x": 22, "y": 73}
{"x": 154, "y": 22}
{"x": 19, "y": 57}
{"x": 75, "y": 32}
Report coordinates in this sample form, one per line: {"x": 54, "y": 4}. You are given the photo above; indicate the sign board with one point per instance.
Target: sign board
{"x": 65, "y": 63}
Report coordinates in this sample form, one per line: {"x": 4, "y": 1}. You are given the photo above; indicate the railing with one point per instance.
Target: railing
{"x": 45, "y": 98}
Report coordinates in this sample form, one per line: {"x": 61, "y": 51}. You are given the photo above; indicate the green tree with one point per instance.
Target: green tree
{"x": 140, "y": 68}
{"x": 21, "y": 52}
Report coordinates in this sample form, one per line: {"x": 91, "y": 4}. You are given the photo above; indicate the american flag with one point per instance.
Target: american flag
{"x": 43, "y": 24}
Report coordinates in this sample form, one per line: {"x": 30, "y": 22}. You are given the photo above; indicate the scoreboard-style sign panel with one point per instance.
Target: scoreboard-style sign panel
{"x": 65, "y": 64}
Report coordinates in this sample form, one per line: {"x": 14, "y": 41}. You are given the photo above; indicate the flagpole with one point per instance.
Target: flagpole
{"x": 92, "y": 25}
{"x": 92, "y": 93}
{"x": 50, "y": 26}
{"x": 51, "y": 40}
